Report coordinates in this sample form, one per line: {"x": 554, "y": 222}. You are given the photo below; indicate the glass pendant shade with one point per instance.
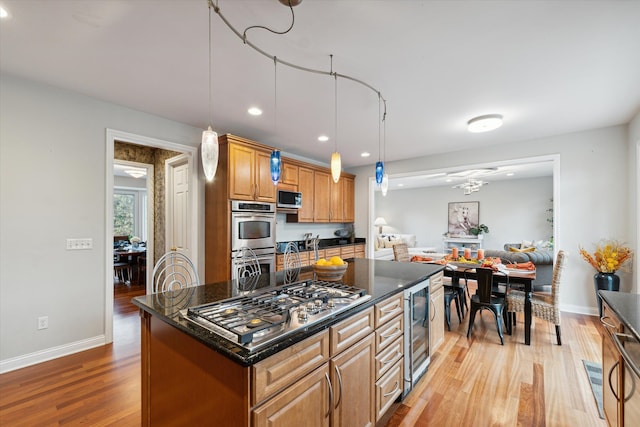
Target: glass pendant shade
{"x": 275, "y": 166}
{"x": 209, "y": 152}
{"x": 385, "y": 184}
{"x": 336, "y": 166}
{"x": 379, "y": 172}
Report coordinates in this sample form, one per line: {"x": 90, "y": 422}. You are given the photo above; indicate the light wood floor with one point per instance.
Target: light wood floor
{"x": 475, "y": 382}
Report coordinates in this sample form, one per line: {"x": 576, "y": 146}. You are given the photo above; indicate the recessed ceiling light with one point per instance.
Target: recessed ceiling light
{"x": 323, "y": 138}
{"x": 401, "y": 185}
{"x": 254, "y": 111}
{"x": 3, "y": 12}
{"x": 365, "y": 154}
{"x": 484, "y": 123}
{"x": 510, "y": 174}
{"x": 448, "y": 180}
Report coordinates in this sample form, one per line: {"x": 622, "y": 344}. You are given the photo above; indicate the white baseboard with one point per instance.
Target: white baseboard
{"x": 579, "y": 309}
{"x": 23, "y": 361}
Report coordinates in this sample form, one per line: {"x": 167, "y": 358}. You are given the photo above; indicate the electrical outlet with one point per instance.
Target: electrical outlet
{"x": 79, "y": 244}
{"x": 43, "y": 322}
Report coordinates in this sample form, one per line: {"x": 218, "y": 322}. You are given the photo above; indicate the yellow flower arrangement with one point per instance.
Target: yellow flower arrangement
{"x": 608, "y": 256}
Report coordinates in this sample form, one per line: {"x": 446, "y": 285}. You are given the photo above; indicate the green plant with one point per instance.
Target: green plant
{"x": 481, "y": 228}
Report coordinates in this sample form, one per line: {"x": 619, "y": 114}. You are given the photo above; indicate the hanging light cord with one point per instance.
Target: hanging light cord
{"x": 216, "y": 9}
{"x": 379, "y": 111}
{"x": 335, "y": 109}
{"x": 210, "y": 116}
{"x": 293, "y": 20}
{"x": 275, "y": 95}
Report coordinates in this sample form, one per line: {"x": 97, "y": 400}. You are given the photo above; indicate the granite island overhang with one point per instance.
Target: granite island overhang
{"x": 379, "y": 279}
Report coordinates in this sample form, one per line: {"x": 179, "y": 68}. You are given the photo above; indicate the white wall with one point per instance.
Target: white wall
{"x": 514, "y": 211}
{"x": 634, "y": 195}
{"x": 52, "y": 187}
{"x": 592, "y": 203}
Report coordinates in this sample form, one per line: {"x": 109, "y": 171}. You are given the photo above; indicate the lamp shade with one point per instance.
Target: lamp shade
{"x": 275, "y": 166}
{"x": 336, "y": 166}
{"x": 209, "y": 153}
{"x": 384, "y": 187}
{"x": 379, "y": 172}
{"x": 379, "y": 221}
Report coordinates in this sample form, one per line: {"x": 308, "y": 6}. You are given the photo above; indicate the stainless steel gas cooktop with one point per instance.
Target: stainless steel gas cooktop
{"x": 257, "y": 320}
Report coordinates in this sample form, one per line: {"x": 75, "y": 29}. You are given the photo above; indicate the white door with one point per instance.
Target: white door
{"x": 178, "y": 235}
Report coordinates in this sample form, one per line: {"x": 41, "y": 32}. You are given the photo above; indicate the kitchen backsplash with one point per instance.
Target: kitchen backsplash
{"x": 287, "y": 231}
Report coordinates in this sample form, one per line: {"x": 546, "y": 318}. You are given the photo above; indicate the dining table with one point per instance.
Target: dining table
{"x": 131, "y": 254}
{"x": 515, "y": 276}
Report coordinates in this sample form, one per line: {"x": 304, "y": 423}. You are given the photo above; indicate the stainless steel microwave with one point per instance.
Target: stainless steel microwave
{"x": 289, "y": 199}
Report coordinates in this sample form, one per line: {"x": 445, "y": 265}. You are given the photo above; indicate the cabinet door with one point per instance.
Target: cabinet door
{"x": 610, "y": 380}
{"x": 289, "y": 174}
{"x": 337, "y": 202}
{"x": 436, "y": 328}
{"x": 306, "y": 187}
{"x": 306, "y": 403}
{"x": 348, "y": 189}
{"x": 321, "y": 196}
{"x": 353, "y": 379}
{"x": 265, "y": 189}
{"x": 241, "y": 172}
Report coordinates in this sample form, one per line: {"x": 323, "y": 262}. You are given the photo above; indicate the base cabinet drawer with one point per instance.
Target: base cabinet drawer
{"x": 387, "y": 333}
{"x": 388, "y": 389}
{"x": 386, "y": 359}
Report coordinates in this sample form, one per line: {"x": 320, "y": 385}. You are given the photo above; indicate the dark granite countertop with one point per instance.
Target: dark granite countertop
{"x": 380, "y": 279}
{"x": 627, "y": 307}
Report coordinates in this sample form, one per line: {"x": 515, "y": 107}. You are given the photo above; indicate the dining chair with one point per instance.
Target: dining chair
{"x": 543, "y": 306}
{"x": 173, "y": 271}
{"x": 484, "y": 299}
{"x": 247, "y": 268}
{"x": 292, "y": 262}
{"x": 401, "y": 252}
{"x": 120, "y": 267}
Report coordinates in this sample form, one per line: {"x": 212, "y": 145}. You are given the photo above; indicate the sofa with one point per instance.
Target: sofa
{"x": 543, "y": 259}
{"x": 383, "y": 246}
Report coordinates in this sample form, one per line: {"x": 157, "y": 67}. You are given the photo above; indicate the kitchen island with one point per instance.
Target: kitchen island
{"x": 190, "y": 375}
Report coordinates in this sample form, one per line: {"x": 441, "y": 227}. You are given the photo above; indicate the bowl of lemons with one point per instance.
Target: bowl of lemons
{"x": 331, "y": 269}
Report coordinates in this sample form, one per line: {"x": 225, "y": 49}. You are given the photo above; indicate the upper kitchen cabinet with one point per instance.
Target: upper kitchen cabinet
{"x": 306, "y": 187}
{"x": 322, "y": 184}
{"x": 249, "y": 171}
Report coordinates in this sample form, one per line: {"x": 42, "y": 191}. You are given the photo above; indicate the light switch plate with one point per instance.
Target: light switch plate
{"x": 79, "y": 244}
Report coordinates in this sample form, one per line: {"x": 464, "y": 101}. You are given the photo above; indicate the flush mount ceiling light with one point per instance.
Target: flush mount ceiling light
{"x": 254, "y": 111}
{"x": 323, "y": 138}
{"x": 135, "y": 172}
{"x": 365, "y": 154}
{"x": 484, "y": 123}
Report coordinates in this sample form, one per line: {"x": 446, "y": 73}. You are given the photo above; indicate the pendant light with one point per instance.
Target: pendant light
{"x": 379, "y": 164}
{"x": 209, "y": 146}
{"x": 276, "y": 163}
{"x": 336, "y": 163}
{"x": 384, "y": 186}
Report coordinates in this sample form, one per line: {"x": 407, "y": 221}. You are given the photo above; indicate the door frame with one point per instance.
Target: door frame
{"x": 150, "y": 180}
{"x": 111, "y": 136}
{"x": 169, "y": 165}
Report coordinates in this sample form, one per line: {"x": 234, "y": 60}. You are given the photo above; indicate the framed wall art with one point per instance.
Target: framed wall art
{"x": 462, "y": 217}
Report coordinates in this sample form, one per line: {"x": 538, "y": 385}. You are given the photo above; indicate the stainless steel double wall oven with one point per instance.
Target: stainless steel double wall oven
{"x": 253, "y": 225}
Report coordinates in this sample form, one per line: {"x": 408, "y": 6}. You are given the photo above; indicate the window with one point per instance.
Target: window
{"x": 130, "y": 213}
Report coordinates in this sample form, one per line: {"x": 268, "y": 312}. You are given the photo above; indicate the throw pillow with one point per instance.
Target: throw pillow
{"x": 512, "y": 249}
{"x": 392, "y": 243}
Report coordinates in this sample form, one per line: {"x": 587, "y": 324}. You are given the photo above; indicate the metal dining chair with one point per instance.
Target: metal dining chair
{"x": 247, "y": 268}
{"x": 292, "y": 262}
{"x": 484, "y": 299}
{"x": 174, "y": 271}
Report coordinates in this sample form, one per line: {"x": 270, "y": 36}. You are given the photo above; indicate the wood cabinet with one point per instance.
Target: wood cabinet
{"x": 389, "y": 335}
{"x": 349, "y": 199}
{"x": 289, "y": 173}
{"x": 620, "y": 396}
{"x": 353, "y": 376}
{"x": 306, "y": 187}
{"x": 359, "y": 250}
{"x": 250, "y": 174}
{"x": 342, "y": 200}
{"x": 436, "y": 317}
{"x": 322, "y": 184}
{"x": 304, "y": 403}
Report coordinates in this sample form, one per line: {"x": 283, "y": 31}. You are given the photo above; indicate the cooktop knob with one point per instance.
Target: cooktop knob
{"x": 302, "y": 314}
{"x": 318, "y": 304}
{"x": 331, "y": 304}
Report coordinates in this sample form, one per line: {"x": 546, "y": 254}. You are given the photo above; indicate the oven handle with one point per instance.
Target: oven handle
{"x": 236, "y": 215}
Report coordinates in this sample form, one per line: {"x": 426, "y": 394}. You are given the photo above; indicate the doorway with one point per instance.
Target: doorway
{"x": 155, "y": 208}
